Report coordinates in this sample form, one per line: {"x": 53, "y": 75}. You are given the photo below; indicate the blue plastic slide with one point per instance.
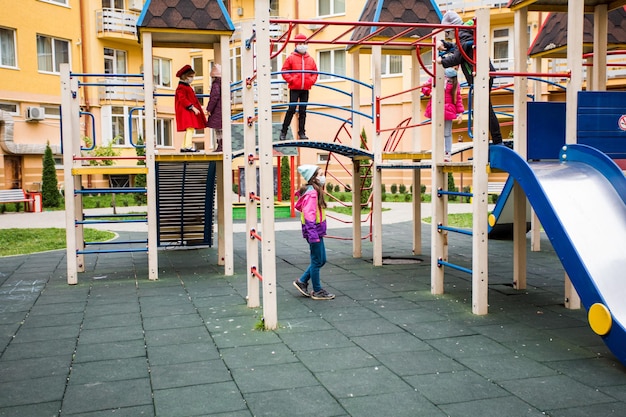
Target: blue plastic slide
{"x": 581, "y": 203}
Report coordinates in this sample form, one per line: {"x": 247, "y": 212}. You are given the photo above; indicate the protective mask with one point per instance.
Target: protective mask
{"x": 301, "y": 49}
{"x": 321, "y": 179}
{"x": 189, "y": 80}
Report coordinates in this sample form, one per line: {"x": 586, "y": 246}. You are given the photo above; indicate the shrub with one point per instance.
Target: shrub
{"x": 329, "y": 188}
{"x": 347, "y": 189}
{"x": 452, "y": 187}
{"x": 383, "y": 188}
{"x": 383, "y": 197}
{"x": 394, "y": 188}
{"x": 407, "y": 197}
{"x": 337, "y": 188}
{"x": 140, "y": 179}
{"x": 285, "y": 174}
{"x": 50, "y": 196}
{"x": 402, "y": 189}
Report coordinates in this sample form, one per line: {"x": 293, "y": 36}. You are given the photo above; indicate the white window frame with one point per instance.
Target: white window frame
{"x": 58, "y": 2}
{"x": 162, "y": 68}
{"x": 385, "y": 70}
{"x": 3, "y": 53}
{"x": 115, "y": 58}
{"x": 53, "y": 44}
{"x": 113, "y": 5}
{"x": 52, "y": 112}
{"x": 110, "y": 119}
{"x": 333, "y": 8}
{"x": 5, "y": 105}
{"x": 500, "y": 39}
{"x": 164, "y": 127}
{"x": 323, "y": 158}
{"x": 197, "y": 64}
{"x": 333, "y": 64}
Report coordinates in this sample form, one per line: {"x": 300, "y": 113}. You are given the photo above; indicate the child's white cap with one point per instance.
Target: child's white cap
{"x": 307, "y": 171}
{"x": 450, "y": 72}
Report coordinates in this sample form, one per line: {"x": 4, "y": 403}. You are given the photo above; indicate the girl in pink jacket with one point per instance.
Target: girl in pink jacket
{"x": 313, "y": 208}
{"x": 453, "y": 108}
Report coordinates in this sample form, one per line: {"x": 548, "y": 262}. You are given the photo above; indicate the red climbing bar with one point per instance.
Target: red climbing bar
{"x": 254, "y": 272}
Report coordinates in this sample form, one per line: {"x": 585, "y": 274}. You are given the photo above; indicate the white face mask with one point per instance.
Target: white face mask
{"x": 301, "y": 49}
{"x": 189, "y": 80}
{"x": 321, "y": 179}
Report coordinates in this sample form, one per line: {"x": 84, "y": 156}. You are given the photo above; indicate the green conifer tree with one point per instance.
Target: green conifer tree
{"x": 50, "y": 196}
{"x": 285, "y": 183}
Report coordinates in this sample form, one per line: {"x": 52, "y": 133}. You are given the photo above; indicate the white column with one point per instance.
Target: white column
{"x": 377, "y": 147}
{"x": 249, "y": 147}
{"x": 148, "y": 84}
{"x": 600, "y": 29}
{"x": 575, "y": 21}
{"x": 266, "y": 164}
{"x": 480, "y": 255}
{"x": 227, "y": 149}
{"x": 438, "y": 209}
{"x": 357, "y": 247}
{"x": 416, "y": 145}
{"x": 520, "y": 127}
{"x": 71, "y": 126}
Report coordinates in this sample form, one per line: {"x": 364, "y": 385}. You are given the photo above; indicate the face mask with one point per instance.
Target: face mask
{"x": 189, "y": 80}
{"x": 301, "y": 49}
{"x": 321, "y": 179}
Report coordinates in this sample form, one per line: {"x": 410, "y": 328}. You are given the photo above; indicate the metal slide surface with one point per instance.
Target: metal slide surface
{"x": 581, "y": 203}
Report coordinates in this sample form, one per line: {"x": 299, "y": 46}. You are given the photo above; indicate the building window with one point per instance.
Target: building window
{"x": 391, "y": 65}
{"x": 501, "y": 49}
{"x": 51, "y": 53}
{"x": 53, "y": 112}
{"x": 163, "y": 131}
{"x": 331, "y": 7}
{"x": 332, "y": 62}
{"x": 235, "y": 63}
{"x": 198, "y": 66}
{"x": 114, "y": 61}
{"x": 11, "y": 108}
{"x": 115, "y": 126}
{"x": 322, "y": 158}
{"x": 162, "y": 72}
{"x": 8, "y": 56}
{"x": 113, "y": 4}
{"x": 63, "y": 2}
{"x": 274, "y": 8}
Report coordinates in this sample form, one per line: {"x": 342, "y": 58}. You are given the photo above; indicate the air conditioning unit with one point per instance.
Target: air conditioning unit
{"x": 135, "y": 5}
{"x": 35, "y": 113}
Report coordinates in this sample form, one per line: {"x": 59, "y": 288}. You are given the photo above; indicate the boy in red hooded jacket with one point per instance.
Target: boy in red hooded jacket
{"x": 299, "y": 84}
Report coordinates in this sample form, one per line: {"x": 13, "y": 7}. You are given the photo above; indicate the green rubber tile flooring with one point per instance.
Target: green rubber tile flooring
{"x": 118, "y": 344}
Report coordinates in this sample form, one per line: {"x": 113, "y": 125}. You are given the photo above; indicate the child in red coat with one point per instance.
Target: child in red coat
{"x": 188, "y": 110}
{"x": 453, "y": 108}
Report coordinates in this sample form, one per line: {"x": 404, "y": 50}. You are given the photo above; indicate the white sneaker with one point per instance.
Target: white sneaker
{"x": 447, "y": 157}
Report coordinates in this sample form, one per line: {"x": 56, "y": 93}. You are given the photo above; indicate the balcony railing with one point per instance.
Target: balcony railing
{"x": 117, "y": 92}
{"x": 461, "y": 5}
{"x": 115, "y": 21}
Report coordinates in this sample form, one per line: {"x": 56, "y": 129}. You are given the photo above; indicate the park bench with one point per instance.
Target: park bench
{"x": 15, "y": 196}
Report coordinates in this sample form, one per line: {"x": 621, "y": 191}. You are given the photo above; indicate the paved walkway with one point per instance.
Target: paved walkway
{"x": 185, "y": 345}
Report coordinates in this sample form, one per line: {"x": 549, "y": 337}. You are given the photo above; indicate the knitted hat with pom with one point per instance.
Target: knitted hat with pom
{"x": 307, "y": 171}
{"x": 451, "y": 18}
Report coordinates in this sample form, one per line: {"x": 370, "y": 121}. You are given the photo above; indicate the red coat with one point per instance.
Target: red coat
{"x": 186, "y": 118}
{"x": 450, "y": 109}
{"x": 299, "y": 62}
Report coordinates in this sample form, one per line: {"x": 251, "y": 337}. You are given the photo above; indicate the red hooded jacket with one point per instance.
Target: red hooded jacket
{"x": 298, "y": 62}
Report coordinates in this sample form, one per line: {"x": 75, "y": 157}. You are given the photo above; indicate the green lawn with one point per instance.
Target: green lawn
{"x": 25, "y": 241}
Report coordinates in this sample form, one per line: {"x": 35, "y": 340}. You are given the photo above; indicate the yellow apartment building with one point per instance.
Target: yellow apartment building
{"x": 98, "y": 37}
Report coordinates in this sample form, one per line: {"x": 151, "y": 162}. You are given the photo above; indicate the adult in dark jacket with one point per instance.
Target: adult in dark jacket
{"x": 299, "y": 85}
{"x": 214, "y": 108}
{"x": 187, "y": 108}
{"x": 451, "y": 57}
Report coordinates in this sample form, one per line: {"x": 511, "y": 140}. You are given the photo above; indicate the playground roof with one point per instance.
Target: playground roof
{"x": 551, "y": 41}
{"x": 561, "y": 5}
{"x": 185, "y": 23}
{"x": 399, "y": 11}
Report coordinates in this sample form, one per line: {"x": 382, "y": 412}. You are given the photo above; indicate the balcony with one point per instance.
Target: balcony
{"x": 119, "y": 93}
{"x": 117, "y": 24}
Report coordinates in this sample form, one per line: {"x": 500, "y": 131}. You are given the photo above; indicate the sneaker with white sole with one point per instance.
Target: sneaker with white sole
{"x": 322, "y": 295}
{"x": 447, "y": 157}
{"x": 302, "y": 287}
